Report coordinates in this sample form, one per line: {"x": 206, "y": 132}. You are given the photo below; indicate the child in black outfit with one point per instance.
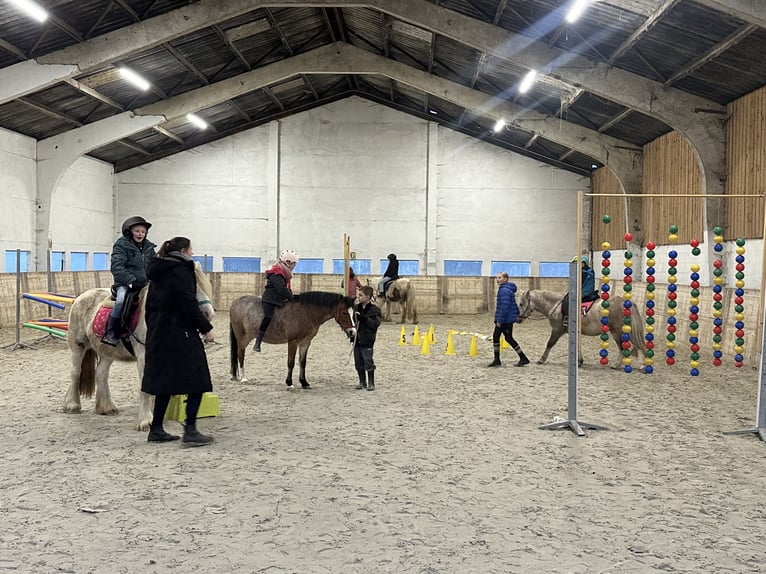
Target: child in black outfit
{"x": 368, "y": 321}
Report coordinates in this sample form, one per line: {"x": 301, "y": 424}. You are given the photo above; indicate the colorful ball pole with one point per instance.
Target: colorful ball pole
{"x": 670, "y": 338}
{"x": 605, "y": 266}
{"x": 627, "y": 306}
{"x": 739, "y": 309}
{"x": 694, "y": 301}
{"x": 649, "y": 336}
{"x": 717, "y": 296}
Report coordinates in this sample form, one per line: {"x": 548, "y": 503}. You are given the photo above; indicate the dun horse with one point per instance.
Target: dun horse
{"x": 91, "y": 359}
{"x": 402, "y": 292}
{"x": 295, "y": 324}
{"x": 549, "y": 304}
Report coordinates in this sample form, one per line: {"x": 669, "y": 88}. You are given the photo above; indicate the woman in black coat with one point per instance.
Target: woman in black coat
{"x": 176, "y": 363}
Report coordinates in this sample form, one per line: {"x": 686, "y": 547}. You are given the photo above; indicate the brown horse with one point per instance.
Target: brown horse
{"x": 91, "y": 359}
{"x": 295, "y": 323}
{"x": 401, "y": 291}
{"x": 549, "y": 304}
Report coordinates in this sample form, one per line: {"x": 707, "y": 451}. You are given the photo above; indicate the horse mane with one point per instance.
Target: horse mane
{"x": 324, "y": 299}
{"x": 202, "y": 280}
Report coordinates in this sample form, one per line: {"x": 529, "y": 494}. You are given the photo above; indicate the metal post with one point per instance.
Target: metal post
{"x": 18, "y": 344}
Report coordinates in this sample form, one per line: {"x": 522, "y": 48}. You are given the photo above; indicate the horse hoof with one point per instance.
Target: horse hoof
{"x": 305, "y": 386}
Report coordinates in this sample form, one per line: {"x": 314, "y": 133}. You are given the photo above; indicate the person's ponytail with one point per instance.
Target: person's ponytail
{"x": 175, "y": 244}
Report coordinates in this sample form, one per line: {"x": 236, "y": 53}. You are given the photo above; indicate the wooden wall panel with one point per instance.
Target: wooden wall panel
{"x": 746, "y": 165}
{"x": 605, "y": 182}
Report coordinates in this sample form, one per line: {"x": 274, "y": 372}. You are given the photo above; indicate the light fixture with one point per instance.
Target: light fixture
{"x": 197, "y": 121}
{"x": 31, "y": 9}
{"x": 135, "y": 79}
{"x": 577, "y": 9}
{"x": 499, "y": 125}
{"x": 528, "y": 81}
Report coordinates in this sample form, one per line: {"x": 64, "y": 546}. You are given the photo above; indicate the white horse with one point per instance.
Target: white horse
{"x": 91, "y": 359}
{"x": 401, "y": 291}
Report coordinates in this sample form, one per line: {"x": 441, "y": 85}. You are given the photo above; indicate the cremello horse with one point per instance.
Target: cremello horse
{"x": 549, "y": 304}
{"x": 91, "y": 359}
{"x": 402, "y": 292}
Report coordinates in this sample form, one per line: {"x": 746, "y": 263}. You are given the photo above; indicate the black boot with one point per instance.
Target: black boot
{"x": 496, "y": 362}
{"x": 192, "y": 437}
{"x": 158, "y": 434}
{"x": 110, "y": 336}
{"x": 523, "y": 360}
{"x": 370, "y": 380}
{"x": 362, "y": 383}
{"x": 258, "y": 339}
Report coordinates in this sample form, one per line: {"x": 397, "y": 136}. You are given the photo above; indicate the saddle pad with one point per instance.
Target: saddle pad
{"x": 102, "y": 316}
{"x": 585, "y": 307}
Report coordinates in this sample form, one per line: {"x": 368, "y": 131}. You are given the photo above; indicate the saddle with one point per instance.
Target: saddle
{"x": 585, "y": 307}
{"x": 128, "y": 319}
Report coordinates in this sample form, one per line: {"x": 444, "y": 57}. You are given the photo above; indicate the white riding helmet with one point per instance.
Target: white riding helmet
{"x": 288, "y": 256}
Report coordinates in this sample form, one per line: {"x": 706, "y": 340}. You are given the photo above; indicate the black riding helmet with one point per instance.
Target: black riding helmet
{"x": 391, "y": 256}
{"x": 135, "y": 220}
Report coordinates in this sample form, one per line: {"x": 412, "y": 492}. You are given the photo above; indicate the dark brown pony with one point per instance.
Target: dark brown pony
{"x": 401, "y": 291}
{"x": 295, "y": 323}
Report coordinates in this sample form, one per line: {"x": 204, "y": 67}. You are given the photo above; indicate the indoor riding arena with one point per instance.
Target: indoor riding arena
{"x": 469, "y": 138}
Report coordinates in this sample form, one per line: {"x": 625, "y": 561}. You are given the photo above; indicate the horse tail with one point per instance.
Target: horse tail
{"x": 233, "y": 351}
{"x": 87, "y": 383}
{"x": 412, "y": 310}
{"x": 637, "y": 329}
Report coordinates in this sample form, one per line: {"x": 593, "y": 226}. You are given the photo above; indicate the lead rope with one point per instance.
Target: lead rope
{"x": 356, "y": 334}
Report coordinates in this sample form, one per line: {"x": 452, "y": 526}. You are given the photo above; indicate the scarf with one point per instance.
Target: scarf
{"x": 286, "y": 270}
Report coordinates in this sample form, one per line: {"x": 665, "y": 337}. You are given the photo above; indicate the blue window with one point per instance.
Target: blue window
{"x": 205, "y": 261}
{"x": 360, "y": 266}
{"x": 309, "y": 266}
{"x": 554, "y": 269}
{"x": 513, "y": 268}
{"x": 406, "y": 266}
{"x": 10, "y": 261}
{"x": 100, "y": 262}
{"x": 241, "y": 264}
{"x": 78, "y": 261}
{"x": 57, "y": 260}
{"x": 463, "y": 268}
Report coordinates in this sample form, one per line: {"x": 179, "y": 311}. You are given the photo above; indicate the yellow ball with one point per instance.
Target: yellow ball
{"x": 694, "y": 364}
{"x": 604, "y": 279}
{"x": 740, "y": 250}
{"x": 670, "y": 344}
{"x": 627, "y": 296}
{"x": 604, "y": 344}
{"x": 606, "y": 246}
{"x": 694, "y": 301}
{"x": 650, "y": 296}
{"x": 672, "y": 237}
{"x": 672, "y": 279}
{"x": 627, "y": 263}
{"x": 739, "y": 283}
{"x": 671, "y": 312}
{"x": 716, "y": 346}
{"x": 695, "y": 267}
{"x": 650, "y": 262}
{"x": 605, "y": 312}
{"x": 717, "y": 313}
{"x": 650, "y": 328}
{"x": 694, "y": 333}
{"x": 739, "y": 316}
{"x": 626, "y": 329}
{"x": 739, "y": 349}
{"x": 718, "y": 280}
{"x": 627, "y": 360}
{"x": 648, "y": 361}
{"x": 718, "y": 238}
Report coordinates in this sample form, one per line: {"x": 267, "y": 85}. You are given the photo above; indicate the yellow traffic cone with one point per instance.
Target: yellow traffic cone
{"x": 474, "y": 350}
{"x": 416, "y": 337}
{"x": 425, "y": 348}
{"x": 431, "y": 335}
{"x": 504, "y": 344}
{"x": 450, "y": 346}
{"x": 403, "y": 337}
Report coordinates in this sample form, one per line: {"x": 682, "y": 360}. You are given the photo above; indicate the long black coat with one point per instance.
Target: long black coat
{"x": 176, "y": 363}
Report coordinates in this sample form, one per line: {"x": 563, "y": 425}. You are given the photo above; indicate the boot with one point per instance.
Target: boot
{"x": 192, "y": 437}
{"x": 362, "y": 384}
{"x": 496, "y": 362}
{"x": 258, "y": 339}
{"x": 523, "y": 360}
{"x": 158, "y": 434}
{"x": 110, "y": 336}
{"x": 370, "y": 380}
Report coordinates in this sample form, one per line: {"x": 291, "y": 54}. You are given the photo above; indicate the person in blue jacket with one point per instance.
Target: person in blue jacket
{"x": 589, "y": 292}
{"x": 506, "y": 313}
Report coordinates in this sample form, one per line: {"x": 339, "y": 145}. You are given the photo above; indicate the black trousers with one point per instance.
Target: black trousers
{"x": 506, "y": 329}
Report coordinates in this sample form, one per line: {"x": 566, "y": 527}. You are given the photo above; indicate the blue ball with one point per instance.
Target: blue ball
{"x": 628, "y": 271}
{"x": 694, "y": 309}
{"x": 695, "y": 276}
{"x": 628, "y": 369}
{"x": 604, "y": 320}
{"x": 739, "y": 325}
{"x": 672, "y": 287}
{"x": 650, "y": 270}
{"x": 718, "y": 247}
{"x": 717, "y": 288}
{"x": 627, "y": 304}
{"x": 650, "y": 304}
{"x": 739, "y": 358}
{"x": 694, "y": 340}
{"x": 605, "y": 287}
{"x": 694, "y": 372}
{"x": 717, "y": 354}
{"x": 673, "y": 254}
{"x": 739, "y": 259}
{"x": 625, "y": 336}
{"x": 650, "y": 336}
{"x": 671, "y": 320}
{"x": 648, "y": 369}
{"x": 670, "y": 353}
{"x": 739, "y": 292}
{"x": 606, "y": 254}
{"x": 604, "y": 352}
{"x": 717, "y": 321}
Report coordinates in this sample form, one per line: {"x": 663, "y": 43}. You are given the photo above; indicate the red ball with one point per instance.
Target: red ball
{"x": 605, "y": 263}
{"x": 650, "y": 312}
{"x": 672, "y": 262}
{"x": 650, "y": 345}
{"x": 670, "y": 361}
{"x": 739, "y": 364}
{"x": 739, "y": 333}
{"x": 628, "y": 236}
{"x": 671, "y": 328}
{"x": 739, "y": 267}
{"x": 695, "y": 348}
{"x": 695, "y": 284}
{"x": 672, "y": 295}
{"x": 693, "y": 316}
{"x": 627, "y": 279}
{"x": 717, "y": 296}
{"x": 604, "y": 328}
{"x": 603, "y": 361}
{"x": 650, "y": 245}
{"x": 694, "y": 243}
{"x": 626, "y": 312}
{"x": 717, "y": 362}
{"x": 625, "y": 345}
{"x": 737, "y": 300}
{"x": 717, "y": 330}
{"x": 718, "y": 263}
{"x": 650, "y": 278}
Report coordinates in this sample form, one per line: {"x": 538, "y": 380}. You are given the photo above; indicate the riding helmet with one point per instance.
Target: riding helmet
{"x": 391, "y": 256}
{"x": 135, "y": 220}
{"x": 288, "y": 256}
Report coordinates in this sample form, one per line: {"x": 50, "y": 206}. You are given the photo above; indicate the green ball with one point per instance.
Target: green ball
{"x": 673, "y": 229}
{"x": 650, "y": 353}
{"x": 740, "y": 242}
{"x": 694, "y": 325}
{"x": 672, "y": 271}
{"x": 650, "y": 287}
{"x": 739, "y": 341}
{"x": 627, "y": 288}
{"x": 718, "y": 230}
{"x": 626, "y": 352}
{"x": 739, "y": 308}
{"x": 671, "y": 337}
{"x": 717, "y": 305}
{"x": 695, "y": 292}
{"x": 650, "y": 320}
{"x": 604, "y": 304}
{"x": 695, "y": 356}
{"x": 717, "y": 272}
{"x": 696, "y": 251}
{"x": 672, "y": 304}
{"x": 739, "y": 275}
{"x": 628, "y": 255}
{"x": 604, "y": 336}
{"x": 717, "y": 338}
{"x": 650, "y": 254}
{"x": 626, "y": 321}
{"x": 606, "y": 218}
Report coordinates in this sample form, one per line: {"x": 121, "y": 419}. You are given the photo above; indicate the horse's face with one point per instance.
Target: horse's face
{"x": 204, "y": 293}
{"x": 525, "y": 309}
{"x": 344, "y": 316}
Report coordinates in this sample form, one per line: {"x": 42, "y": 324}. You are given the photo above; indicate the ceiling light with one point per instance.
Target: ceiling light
{"x": 577, "y": 9}
{"x": 135, "y": 79}
{"x": 528, "y": 82}
{"x": 31, "y": 9}
{"x": 499, "y": 125}
{"x": 197, "y": 121}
